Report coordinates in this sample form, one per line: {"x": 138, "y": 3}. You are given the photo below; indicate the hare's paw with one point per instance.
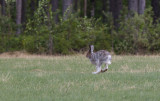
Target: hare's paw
{"x": 104, "y": 70}
{"x": 94, "y": 72}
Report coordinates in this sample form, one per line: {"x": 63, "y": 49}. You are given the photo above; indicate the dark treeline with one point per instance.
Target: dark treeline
{"x": 68, "y": 26}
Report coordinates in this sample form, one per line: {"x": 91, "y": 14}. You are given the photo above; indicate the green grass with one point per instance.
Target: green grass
{"x": 70, "y": 78}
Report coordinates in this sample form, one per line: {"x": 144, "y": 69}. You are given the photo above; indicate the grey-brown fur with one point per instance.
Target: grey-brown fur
{"x": 98, "y": 58}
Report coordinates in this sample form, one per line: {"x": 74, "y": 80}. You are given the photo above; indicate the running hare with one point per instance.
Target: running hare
{"x": 98, "y": 58}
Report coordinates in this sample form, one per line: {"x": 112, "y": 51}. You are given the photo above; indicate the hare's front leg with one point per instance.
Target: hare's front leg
{"x": 105, "y": 69}
{"x": 98, "y": 70}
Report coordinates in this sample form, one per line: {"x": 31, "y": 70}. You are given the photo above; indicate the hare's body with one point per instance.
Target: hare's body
{"x": 98, "y": 58}
{"x": 102, "y": 56}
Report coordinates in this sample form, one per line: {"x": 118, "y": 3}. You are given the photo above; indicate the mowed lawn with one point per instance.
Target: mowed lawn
{"x": 70, "y": 78}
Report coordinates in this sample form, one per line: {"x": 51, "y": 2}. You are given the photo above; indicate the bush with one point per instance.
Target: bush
{"x": 75, "y": 34}
{"x": 10, "y": 43}
{"x": 71, "y": 35}
{"x": 34, "y": 44}
{"x": 137, "y": 34}
{"x": 7, "y": 26}
{"x": 68, "y": 36}
{"x": 154, "y": 39}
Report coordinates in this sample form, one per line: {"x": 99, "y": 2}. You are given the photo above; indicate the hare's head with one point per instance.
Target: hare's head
{"x": 91, "y": 48}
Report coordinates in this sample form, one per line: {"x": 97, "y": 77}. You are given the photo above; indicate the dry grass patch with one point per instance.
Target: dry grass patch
{"x": 5, "y": 77}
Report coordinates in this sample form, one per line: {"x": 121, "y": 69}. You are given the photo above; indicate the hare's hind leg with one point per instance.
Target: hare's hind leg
{"x": 98, "y": 70}
{"x": 105, "y": 69}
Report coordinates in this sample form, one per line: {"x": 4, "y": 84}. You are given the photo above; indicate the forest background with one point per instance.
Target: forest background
{"x": 70, "y": 26}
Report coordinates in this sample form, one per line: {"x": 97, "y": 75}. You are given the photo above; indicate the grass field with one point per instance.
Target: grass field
{"x": 70, "y": 78}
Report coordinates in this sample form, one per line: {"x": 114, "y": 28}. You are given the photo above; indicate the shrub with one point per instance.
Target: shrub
{"x": 10, "y": 43}
{"x": 34, "y": 44}
{"x": 7, "y": 26}
{"x": 68, "y": 36}
{"x": 137, "y": 34}
{"x": 75, "y": 34}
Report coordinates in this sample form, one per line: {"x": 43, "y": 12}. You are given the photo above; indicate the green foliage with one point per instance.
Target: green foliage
{"x": 71, "y": 35}
{"x": 68, "y": 36}
{"x": 37, "y": 31}
{"x": 154, "y": 39}
{"x": 137, "y": 34}
{"x": 34, "y": 44}
{"x": 38, "y": 24}
{"x": 75, "y": 34}
{"x": 10, "y": 43}
{"x": 7, "y": 26}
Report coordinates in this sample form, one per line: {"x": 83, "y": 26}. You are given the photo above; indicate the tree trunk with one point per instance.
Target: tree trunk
{"x": 133, "y": 6}
{"x": 2, "y": 3}
{"x": 156, "y": 9}
{"x": 54, "y": 8}
{"x": 76, "y": 5}
{"x": 136, "y": 6}
{"x": 93, "y": 8}
{"x": 141, "y": 6}
{"x": 67, "y": 8}
{"x": 18, "y": 15}
{"x": 85, "y": 7}
{"x": 50, "y": 45}
{"x": 24, "y": 2}
{"x": 104, "y": 9}
{"x": 115, "y": 8}
{"x": 33, "y": 5}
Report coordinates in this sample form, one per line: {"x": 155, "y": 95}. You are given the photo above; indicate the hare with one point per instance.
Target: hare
{"x": 98, "y": 58}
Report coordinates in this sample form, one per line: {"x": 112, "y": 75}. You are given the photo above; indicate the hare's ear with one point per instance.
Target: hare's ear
{"x": 92, "y": 48}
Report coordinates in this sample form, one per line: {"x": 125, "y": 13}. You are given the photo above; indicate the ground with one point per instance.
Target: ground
{"x": 70, "y": 78}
